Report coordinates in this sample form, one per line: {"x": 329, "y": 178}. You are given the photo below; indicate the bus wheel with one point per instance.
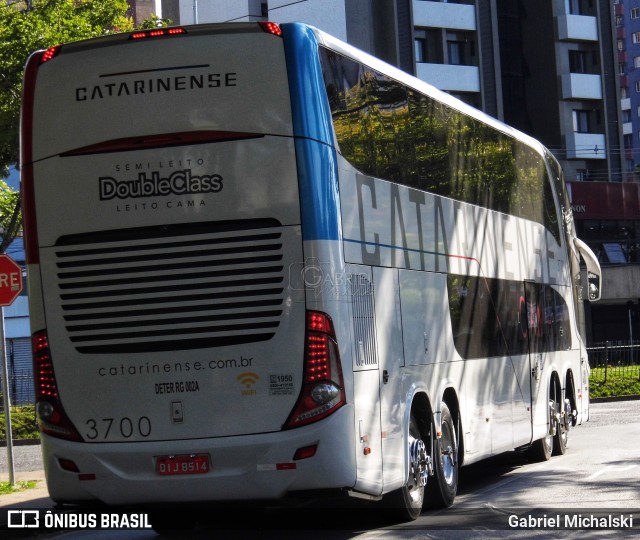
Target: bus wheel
{"x": 442, "y": 492}
{"x": 561, "y": 437}
{"x": 406, "y": 502}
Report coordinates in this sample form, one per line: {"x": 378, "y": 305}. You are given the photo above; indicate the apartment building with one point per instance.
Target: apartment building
{"x": 565, "y": 71}
{"x": 627, "y": 21}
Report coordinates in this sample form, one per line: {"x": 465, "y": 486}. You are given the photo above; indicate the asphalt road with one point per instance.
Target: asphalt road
{"x": 504, "y": 497}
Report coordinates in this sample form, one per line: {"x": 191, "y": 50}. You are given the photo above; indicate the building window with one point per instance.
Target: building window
{"x": 578, "y": 62}
{"x": 636, "y": 37}
{"x": 637, "y": 86}
{"x": 621, "y": 44}
{"x": 428, "y": 46}
{"x": 582, "y": 175}
{"x": 421, "y": 49}
{"x": 579, "y": 7}
{"x": 455, "y": 50}
{"x": 635, "y": 13}
{"x": 461, "y": 49}
{"x": 581, "y": 121}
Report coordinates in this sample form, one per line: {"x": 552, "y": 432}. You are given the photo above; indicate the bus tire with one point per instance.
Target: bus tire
{"x": 442, "y": 489}
{"x": 541, "y": 449}
{"x": 561, "y": 437}
{"x": 406, "y": 503}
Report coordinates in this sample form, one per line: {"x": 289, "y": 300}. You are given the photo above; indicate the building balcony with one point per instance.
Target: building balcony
{"x": 625, "y": 104}
{"x": 581, "y": 86}
{"x": 577, "y": 28}
{"x": 444, "y": 15}
{"x": 627, "y": 128}
{"x": 450, "y": 78}
{"x": 586, "y": 146}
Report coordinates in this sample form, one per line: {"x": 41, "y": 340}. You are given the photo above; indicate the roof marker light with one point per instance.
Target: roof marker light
{"x": 271, "y": 28}
{"x": 158, "y": 32}
{"x": 50, "y": 53}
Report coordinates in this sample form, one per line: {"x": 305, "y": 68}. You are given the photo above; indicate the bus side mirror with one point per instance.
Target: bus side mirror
{"x": 594, "y": 272}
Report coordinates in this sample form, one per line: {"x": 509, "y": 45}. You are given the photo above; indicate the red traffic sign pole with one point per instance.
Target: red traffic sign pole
{"x": 10, "y": 288}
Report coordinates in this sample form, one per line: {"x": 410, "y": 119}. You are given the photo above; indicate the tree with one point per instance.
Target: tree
{"x": 9, "y": 215}
{"x": 26, "y": 26}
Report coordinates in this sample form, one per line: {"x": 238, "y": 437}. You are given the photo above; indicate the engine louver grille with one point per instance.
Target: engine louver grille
{"x": 171, "y": 288}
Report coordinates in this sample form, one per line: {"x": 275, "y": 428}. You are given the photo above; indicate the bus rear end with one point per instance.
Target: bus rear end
{"x": 173, "y": 361}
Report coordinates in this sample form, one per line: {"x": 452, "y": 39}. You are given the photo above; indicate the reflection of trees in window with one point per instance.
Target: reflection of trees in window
{"x": 387, "y": 130}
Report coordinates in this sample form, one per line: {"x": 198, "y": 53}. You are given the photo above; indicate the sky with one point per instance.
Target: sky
{"x": 14, "y": 179}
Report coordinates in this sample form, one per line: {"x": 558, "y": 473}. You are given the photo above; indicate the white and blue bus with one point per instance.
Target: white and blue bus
{"x": 265, "y": 264}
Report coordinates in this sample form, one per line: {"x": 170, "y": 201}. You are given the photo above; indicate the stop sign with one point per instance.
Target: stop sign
{"x": 10, "y": 280}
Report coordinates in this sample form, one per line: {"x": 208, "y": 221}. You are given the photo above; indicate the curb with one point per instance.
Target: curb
{"x": 20, "y": 442}
{"x": 614, "y": 398}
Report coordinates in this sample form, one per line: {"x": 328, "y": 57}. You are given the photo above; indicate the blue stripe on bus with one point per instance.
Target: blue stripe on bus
{"x": 313, "y": 130}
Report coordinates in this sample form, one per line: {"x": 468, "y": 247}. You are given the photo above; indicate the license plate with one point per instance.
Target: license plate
{"x": 188, "y": 464}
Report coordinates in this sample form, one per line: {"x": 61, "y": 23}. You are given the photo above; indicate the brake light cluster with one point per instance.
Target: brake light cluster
{"x": 52, "y": 418}
{"x": 323, "y": 384}
{"x": 271, "y": 28}
{"x": 158, "y": 32}
{"x": 50, "y": 53}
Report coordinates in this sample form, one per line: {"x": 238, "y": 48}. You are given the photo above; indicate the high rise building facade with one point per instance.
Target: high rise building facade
{"x": 627, "y": 21}
{"x": 565, "y": 71}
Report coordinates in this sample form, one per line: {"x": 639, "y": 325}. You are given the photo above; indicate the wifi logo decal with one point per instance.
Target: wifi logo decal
{"x": 248, "y": 380}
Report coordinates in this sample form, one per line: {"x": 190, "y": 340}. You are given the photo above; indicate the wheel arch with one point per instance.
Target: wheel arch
{"x": 450, "y": 396}
{"x": 421, "y": 407}
{"x": 555, "y": 385}
{"x": 570, "y": 392}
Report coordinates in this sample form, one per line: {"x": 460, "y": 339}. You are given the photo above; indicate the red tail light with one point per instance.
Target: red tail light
{"x": 50, "y": 53}
{"x": 158, "y": 32}
{"x": 51, "y": 416}
{"x": 323, "y": 385}
{"x": 271, "y": 28}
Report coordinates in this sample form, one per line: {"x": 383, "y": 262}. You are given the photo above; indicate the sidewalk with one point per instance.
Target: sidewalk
{"x": 37, "y": 497}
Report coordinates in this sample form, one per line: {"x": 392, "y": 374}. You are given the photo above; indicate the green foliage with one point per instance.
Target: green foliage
{"x": 28, "y": 26}
{"x": 39, "y": 24}
{"x": 9, "y": 214}
{"x": 619, "y": 382}
{"x": 23, "y": 423}
{"x": 6, "y": 487}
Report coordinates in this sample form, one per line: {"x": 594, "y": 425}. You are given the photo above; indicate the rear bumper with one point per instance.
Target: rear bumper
{"x": 252, "y": 467}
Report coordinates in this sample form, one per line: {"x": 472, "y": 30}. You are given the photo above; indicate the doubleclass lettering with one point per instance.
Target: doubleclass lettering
{"x": 177, "y": 183}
